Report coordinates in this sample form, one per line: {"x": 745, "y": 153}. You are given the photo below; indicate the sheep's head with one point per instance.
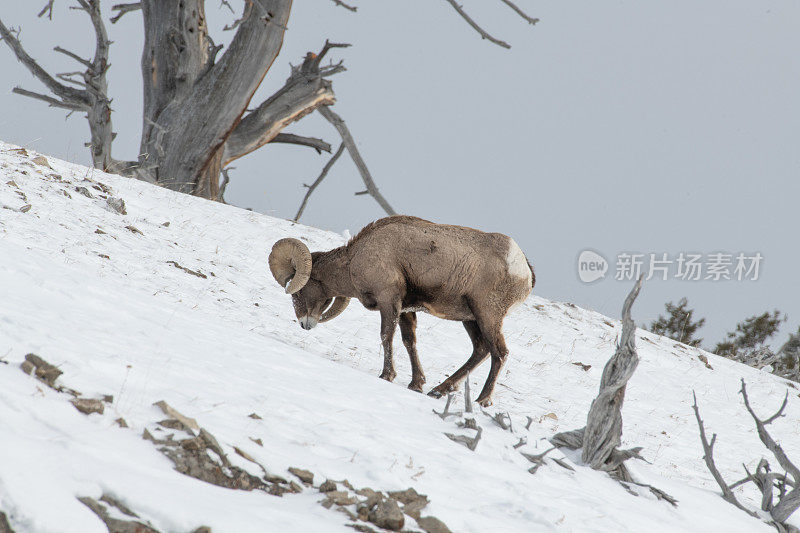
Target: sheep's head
{"x": 290, "y": 262}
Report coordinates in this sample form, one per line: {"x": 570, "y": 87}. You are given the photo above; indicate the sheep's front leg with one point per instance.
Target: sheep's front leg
{"x": 389, "y": 317}
{"x": 408, "y": 327}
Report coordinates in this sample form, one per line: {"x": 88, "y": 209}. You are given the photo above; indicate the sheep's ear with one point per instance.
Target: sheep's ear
{"x": 339, "y": 304}
{"x": 290, "y": 264}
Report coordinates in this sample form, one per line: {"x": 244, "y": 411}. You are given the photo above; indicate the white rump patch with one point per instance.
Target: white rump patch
{"x": 517, "y": 264}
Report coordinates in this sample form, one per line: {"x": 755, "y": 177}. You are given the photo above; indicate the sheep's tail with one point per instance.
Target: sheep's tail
{"x": 533, "y": 275}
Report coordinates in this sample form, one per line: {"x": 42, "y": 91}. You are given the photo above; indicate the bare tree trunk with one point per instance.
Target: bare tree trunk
{"x": 192, "y": 104}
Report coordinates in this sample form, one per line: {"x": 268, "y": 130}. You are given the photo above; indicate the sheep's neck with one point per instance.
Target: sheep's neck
{"x": 334, "y": 268}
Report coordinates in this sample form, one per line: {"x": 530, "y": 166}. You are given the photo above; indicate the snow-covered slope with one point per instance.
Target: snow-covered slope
{"x": 97, "y": 294}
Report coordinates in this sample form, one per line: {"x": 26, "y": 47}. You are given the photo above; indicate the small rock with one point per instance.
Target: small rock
{"x": 275, "y": 479}
{"x": 294, "y": 487}
{"x": 170, "y": 411}
{"x": 340, "y": 497}
{"x": 44, "y": 370}
{"x": 25, "y": 208}
{"x": 12, "y": 183}
{"x": 5, "y": 527}
{"x": 88, "y": 406}
{"x": 431, "y": 524}
{"x": 134, "y": 229}
{"x": 99, "y": 231}
{"x": 197, "y": 443}
{"x": 328, "y": 486}
{"x": 42, "y": 161}
{"x": 121, "y": 422}
{"x": 172, "y": 423}
{"x": 84, "y": 191}
{"x": 387, "y": 514}
{"x": 165, "y": 224}
{"x": 257, "y": 441}
{"x": 254, "y": 416}
{"x": 202, "y": 529}
{"x": 108, "y": 398}
{"x": 104, "y": 256}
{"x": 304, "y": 475}
{"x": 117, "y": 205}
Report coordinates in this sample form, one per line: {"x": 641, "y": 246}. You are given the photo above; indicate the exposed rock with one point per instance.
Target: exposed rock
{"x": 431, "y": 524}
{"x": 202, "y": 529}
{"x": 362, "y": 528}
{"x": 42, "y": 161}
{"x": 88, "y": 406}
{"x": 134, "y": 229}
{"x": 121, "y": 422}
{"x": 387, "y": 514}
{"x": 254, "y": 416}
{"x": 172, "y": 423}
{"x": 117, "y": 205}
{"x": 338, "y": 497}
{"x": 116, "y": 525}
{"x": 412, "y": 501}
{"x": 187, "y": 270}
{"x": 42, "y": 369}
{"x": 328, "y": 486}
{"x": 84, "y": 191}
{"x": 174, "y": 413}
{"x": 303, "y": 475}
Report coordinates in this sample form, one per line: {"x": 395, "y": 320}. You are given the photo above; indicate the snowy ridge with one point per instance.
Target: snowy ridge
{"x": 97, "y": 294}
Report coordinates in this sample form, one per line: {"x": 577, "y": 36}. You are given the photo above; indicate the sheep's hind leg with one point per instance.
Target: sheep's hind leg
{"x": 493, "y": 334}
{"x": 480, "y": 352}
{"x": 389, "y": 318}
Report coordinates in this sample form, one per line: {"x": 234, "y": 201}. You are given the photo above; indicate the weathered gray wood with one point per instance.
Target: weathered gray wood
{"x": 313, "y": 142}
{"x": 304, "y": 91}
{"x": 319, "y": 179}
{"x": 347, "y": 138}
{"x": 92, "y": 97}
{"x": 195, "y": 118}
{"x": 708, "y": 457}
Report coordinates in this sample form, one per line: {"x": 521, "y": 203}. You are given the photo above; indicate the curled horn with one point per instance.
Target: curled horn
{"x": 339, "y": 304}
{"x": 290, "y": 259}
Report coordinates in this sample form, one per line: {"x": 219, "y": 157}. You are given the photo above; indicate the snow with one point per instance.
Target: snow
{"x": 219, "y": 348}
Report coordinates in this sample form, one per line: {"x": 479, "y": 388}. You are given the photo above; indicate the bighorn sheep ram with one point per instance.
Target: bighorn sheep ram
{"x": 400, "y": 265}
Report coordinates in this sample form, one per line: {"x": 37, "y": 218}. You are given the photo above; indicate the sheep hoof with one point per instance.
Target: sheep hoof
{"x": 415, "y": 386}
{"x": 484, "y": 402}
{"x": 388, "y": 376}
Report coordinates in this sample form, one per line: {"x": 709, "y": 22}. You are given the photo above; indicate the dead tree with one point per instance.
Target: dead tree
{"x": 768, "y": 482}
{"x": 601, "y": 436}
{"x": 196, "y": 98}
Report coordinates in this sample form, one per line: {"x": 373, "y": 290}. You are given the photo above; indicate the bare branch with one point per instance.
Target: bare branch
{"x": 49, "y": 99}
{"x": 226, "y": 4}
{"x": 290, "y": 138}
{"x": 342, "y": 4}
{"x": 344, "y": 132}
{"x": 124, "y": 8}
{"x": 767, "y": 439}
{"x": 319, "y": 179}
{"x": 521, "y": 13}
{"x": 224, "y": 185}
{"x": 48, "y": 8}
{"x": 708, "y": 456}
{"x": 475, "y": 26}
{"x": 67, "y": 94}
{"x": 76, "y": 57}
{"x": 304, "y": 91}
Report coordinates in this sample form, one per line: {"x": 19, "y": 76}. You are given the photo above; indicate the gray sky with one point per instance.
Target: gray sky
{"x": 651, "y": 127}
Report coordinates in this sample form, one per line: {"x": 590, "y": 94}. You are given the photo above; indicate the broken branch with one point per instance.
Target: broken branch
{"x": 290, "y": 138}
{"x": 481, "y": 31}
{"x": 347, "y": 138}
{"x": 319, "y": 179}
{"x": 124, "y": 8}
